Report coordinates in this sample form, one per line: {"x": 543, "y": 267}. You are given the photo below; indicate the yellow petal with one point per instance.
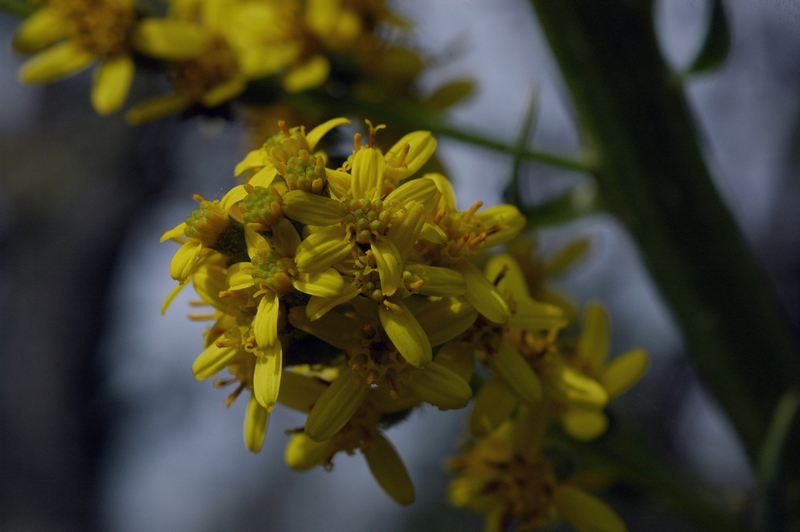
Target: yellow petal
{"x": 406, "y": 227}
{"x": 316, "y": 134}
{"x": 265, "y": 324}
{"x": 339, "y": 182}
{"x": 586, "y": 512}
{"x": 112, "y": 82}
{"x": 566, "y": 257}
{"x": 504, "y": 272}
{"x": 267, "y": 376}
{"x": 534, "y": 316}
{"x": 264, "y": 177}
{"x": 421, "y": 190}
{"x": 322, "y": 249}
{"x": 158, "y": 107}
{"x": 300, "y": 392}
{"x": 55, "y": 63}
{"x": 575, "y": 388}
{"x": 506, "y": 218}
{"x": 389, "y": 264}
{"x": 515, "y": 371}
{"x": 406, "y": 333}
{"x": 285, "y": 237}
{"x": 482, "y": 294}
{"x": 311, "y": 74}
{"x": 174, "y": 233}
{"x": 368, "y": 168}
{"x": 212, "y": 360}
{"x": 584, "y": 425}
{"x": 448, "y": 198}
{"x": 388, "y": 469}
{"x": 223, "y": 92}
{"x": 319, "y": 306}
{"x": 255, "y": 424}
{"x": 458, "y": 357}
{"x": 172, "y": 293}
{"x": 255, "y": 241}
{"x": 303, "y": 453}
{"x": 421, "y": 147}
{"x": 254, "y": 159}
{"x": 327, "y": 283}
{"x": 436, "y": 281}
{"x": 312, "y": 209}
{"x": 623, "y": 371}
{"x": 39, "y": 31}
{"x": 334, "y": 328}
{"x": 170, "y": 39}
{"x": 336, "y": 406}
{"x": 183, "y": 260}
{"x": 240, "y": 276}
{"x": 437, "y": 385}
{"x": 493, "y": 405}
{"x": 442, "y": 319}
{"x": 594, "y": 342}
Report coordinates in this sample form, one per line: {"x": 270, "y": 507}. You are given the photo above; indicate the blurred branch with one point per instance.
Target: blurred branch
{"x": 652, "y": 176}
{"x": 417, "y": 117}
{"x": 634, "y": 462}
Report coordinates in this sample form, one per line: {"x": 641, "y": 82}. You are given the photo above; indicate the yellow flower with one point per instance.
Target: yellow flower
{"x": 585, "y": 422}
{"x": 272, "y": 158}
{"x": 373, "y": 359}
{"x": 453, "y": 239}
{"x": 360, "y": 432}
{"x": 506, "y": 477}
{"x": 69, "y": 35}
{"x": 209, "y": 228}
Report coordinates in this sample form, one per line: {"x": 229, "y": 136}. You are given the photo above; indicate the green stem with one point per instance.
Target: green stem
{"x": 651, "y": 175}
{"x": 416, "y": 117}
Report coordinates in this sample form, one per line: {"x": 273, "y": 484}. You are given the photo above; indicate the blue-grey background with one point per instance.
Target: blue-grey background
{"x": 102, "y": 425}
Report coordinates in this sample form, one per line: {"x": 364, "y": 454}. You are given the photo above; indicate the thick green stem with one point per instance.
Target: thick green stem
{"x": 652, "y": 176}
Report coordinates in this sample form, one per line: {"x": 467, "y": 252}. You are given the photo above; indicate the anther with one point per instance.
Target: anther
{"x": 284, "y": 129}
{"x": 472, "y": 210}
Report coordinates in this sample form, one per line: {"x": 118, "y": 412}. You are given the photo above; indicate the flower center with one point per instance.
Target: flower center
{"x": 271, "y": 271}
{"x": 261, "y": 206}
{"x": 101, "y": 27}
{"x": 366, "y": 219}
{"x": 206, "y": 224}
{"x": 305, "y": 172}
{"x": 213, "y": 67}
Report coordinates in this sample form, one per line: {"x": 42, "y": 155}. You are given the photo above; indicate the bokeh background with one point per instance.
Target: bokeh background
{"x": 103, "y": 426}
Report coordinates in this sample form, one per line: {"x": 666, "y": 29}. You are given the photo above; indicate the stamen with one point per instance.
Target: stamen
{"x": 232, "y": 397}
{"x": 284, "y": 129}
{"x": 472, "y": 210}
{"x": 439, "y": 215}
{"x": 356, "y": 142}
{"x": 198, "y": 198}
{"x": 392, "y": 387}
{"x": 402, "y": 158}
{"x": 477, "y": 241}
{"x": 219, "y": 383}
{"x": 500, "y": 275}
{"x": 201, "y": 317}
{"x": 197, "y": 303}
{"x": 229, "y": 342}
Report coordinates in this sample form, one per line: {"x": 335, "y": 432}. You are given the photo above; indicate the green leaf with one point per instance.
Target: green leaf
{"x": 717, "y": 44}
{"x": 512, "y": 193}
{"x": 450, "y": 94}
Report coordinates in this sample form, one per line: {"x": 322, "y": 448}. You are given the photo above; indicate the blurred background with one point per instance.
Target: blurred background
{"x": 102, "y": 424}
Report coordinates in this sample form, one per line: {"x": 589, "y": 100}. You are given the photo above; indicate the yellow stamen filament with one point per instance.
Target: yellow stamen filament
{"x": 228, "y": 342}
{"x": 402, "y": 158}
{"x": 201, "y": 317}
{"x": 219, "y": 383}
{"x": 356, "y": 142}
{"x": 472, "y": 210}
{"x": 232, "y": 397}
{"x": 197, "y": 303}
{"x": 284, "y": 129}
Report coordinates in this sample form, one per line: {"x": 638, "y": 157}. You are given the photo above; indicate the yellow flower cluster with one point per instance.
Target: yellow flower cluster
{"x": 539, "y": 376}
{"x": 210, "y": 49}
{"x": 332, "y": 287}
